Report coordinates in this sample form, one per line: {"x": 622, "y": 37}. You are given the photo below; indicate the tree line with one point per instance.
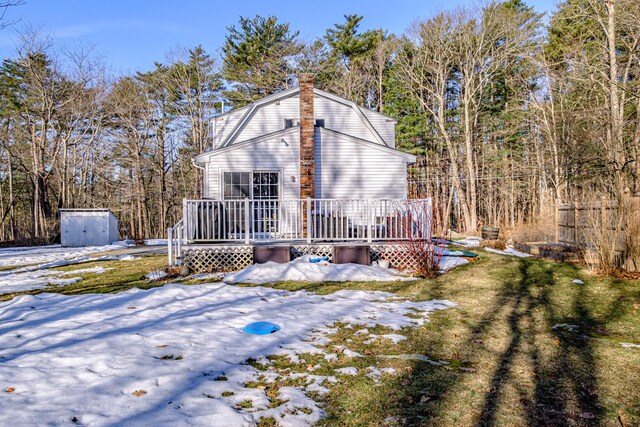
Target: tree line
{"x": 507, "y": 113}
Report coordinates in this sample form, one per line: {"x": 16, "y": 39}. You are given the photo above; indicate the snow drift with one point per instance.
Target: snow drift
{"x": 302, "y": 270}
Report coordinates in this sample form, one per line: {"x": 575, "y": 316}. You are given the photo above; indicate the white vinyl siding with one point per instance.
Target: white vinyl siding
{"x": 349, "y": 169}
{"x": 270, "y": 153}
{"x": 270, "y": 118}
{"x": 341, "y": 118}
{"x": 384, "y": 125}
{"x": 224, "y": 124}
{"x": 354, "y": 165}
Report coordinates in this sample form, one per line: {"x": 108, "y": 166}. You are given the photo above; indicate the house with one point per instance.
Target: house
{"x": 301, "y": 143}
{"x": 300, "y": 166}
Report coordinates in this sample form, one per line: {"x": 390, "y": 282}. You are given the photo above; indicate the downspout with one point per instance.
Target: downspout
{"x": 196, "y": 165}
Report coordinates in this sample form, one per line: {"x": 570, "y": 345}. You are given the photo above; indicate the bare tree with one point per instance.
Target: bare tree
{"x": 449, "y": 65}
{"x": 194, "y": 80}
{"x": 426, "y": 67}
{"x": 4, "y": 7}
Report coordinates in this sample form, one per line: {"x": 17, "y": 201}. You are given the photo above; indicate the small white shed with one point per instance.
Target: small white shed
{"x": 88, "y": 227}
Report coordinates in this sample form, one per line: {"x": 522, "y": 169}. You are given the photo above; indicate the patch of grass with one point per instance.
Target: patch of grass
{"x": 123, "y": 275}
{"x": 227, "y": 393}
{"x": 169, "y": 357}
{"x": 267, "y": 422}
{"x": 275, "y": 402}
{"x": 505, "y": 363}
{"x": 260, "y": 382}
{"x": 11, "y": 267}
{"x": 195, "y": 281}
{"x": 246, "y": 404}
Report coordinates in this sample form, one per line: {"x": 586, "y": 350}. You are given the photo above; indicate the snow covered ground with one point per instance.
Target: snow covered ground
{"x": 448, "y": 262}
{"x": 42, "y": 254}
{"x": 469, "y": 242}
{"x": 27, "y": 255}
{"x": 173, "y": 355}
{"x": 509, "y": 251}
{"x": 155, "y": 242}
{"x": 301, "y": 269}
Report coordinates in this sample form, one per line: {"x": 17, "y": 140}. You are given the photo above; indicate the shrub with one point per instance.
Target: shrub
{"x": 418, "y": 226}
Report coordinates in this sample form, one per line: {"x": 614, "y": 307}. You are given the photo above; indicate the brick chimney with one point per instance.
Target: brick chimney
{"x": 307, "y": 155}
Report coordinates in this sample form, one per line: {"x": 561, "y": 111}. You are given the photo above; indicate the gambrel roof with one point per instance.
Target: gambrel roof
{"x": 253, "y": 107}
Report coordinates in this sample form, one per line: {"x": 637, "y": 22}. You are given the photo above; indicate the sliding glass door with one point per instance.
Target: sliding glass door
{"x": 266, "y": 191}
{"x": 263, "y": 188}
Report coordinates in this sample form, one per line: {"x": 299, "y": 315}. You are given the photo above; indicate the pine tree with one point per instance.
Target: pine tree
{"x": 258, "y": 59}
{"x": 347, "y": 44}
{"x": 411, "y": 129}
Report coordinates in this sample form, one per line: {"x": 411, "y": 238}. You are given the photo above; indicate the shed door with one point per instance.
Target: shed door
{"x": 77, "y": 230}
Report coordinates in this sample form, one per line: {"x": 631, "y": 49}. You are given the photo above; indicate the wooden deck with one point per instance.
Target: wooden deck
{"x": 221, "y": 234}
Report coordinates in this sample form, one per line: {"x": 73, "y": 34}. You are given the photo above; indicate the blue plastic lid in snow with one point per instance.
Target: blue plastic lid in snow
{"x": 261, "y": 328}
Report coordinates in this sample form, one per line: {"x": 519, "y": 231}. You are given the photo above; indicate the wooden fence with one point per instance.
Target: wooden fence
{"x": 578, "y": 221}
{"x": 584, "y": 224}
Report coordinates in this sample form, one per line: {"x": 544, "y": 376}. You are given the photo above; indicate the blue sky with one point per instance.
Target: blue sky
{"x": 132, "y": 34}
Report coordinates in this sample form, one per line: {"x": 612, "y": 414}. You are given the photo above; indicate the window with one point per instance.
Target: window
{"x": 256, "y": 185}
{"x": 320, "y": 123}
{"x": 237, "y": 185}
{"x": 289, "y": 123}
{"x": 265, "y": 185}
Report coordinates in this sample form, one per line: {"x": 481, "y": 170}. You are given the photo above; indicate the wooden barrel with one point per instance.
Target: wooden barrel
{"x": 490, "y": 233}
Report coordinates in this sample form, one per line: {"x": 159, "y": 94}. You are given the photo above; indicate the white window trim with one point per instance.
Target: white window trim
{"x": 221, "y": 173}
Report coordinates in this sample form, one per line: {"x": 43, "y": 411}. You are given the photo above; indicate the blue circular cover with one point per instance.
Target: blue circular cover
{"x": 261, "y": 328}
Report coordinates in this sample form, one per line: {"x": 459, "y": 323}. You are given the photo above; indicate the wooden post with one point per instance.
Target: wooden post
{"x": 246, "y": 221}
{"x": 621, "y": 239}
{"x": 576, "y": 223}
{"x": 603, "y": 215}
{"x": 170, "y": 246}
{"x": 178, "y": 254}
{"x": 557, "y": 219}
{"x": 369, "y": 220}
{"x": 308, "y": 219}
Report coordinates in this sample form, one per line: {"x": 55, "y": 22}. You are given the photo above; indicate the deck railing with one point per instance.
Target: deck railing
{"x": 302, "y": 219}
{"x": 313, "y": 220}
{"x": 175, "y": 235}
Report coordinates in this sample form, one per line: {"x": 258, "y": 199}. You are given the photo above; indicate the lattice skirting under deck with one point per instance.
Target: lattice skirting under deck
{"x": 237, "y": 257}
{"x": 397, "y": 255}
{"x": 217, "y": 258}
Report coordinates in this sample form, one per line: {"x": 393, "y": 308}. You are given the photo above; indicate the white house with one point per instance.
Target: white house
{"x": 301, "y": 143}
{"x": 302, "y": 165}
